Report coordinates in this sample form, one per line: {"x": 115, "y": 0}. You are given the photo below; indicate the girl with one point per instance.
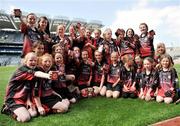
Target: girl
{"x": 89, "y": 45}
{"x": 99, "y": 71}
{"x": 43, "y": 29}
{"x": 97, "y": 38}
{"x": 126, "y": 47}
{"x": 61, "y": 86}
{"x": 61, "y": 38}
{"x": 46, "y": 98}
{"x": 113, "y": 77}
{"x": 160, "y": 50}
{"x": 80, "y": 41}
{"x": 85, "y": 74}
{"x": 128, "y": 78}
{"x": 72, "y": 35}
{"x": 149, "y": 80}
{"x": 146, "y": 41}
{"x": 107, "y": 36}
{"x": 139, "y": 67}
{"x": 167, "y": 80}
{"x": 31, "y": 33}
{"x": 57, "y": 48}
{"x": 38, "y": 48}
{"x": 73, "y": 61}
{"x": 18, "y": 100}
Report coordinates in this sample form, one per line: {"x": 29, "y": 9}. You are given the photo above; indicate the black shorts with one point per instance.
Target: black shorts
{"x": 82, "y": 86}
{"x": 64, "y": 92}
{"x": 50, "y": 101}
{"x": 95, "y": 84}
{"x": 116, "y": 88}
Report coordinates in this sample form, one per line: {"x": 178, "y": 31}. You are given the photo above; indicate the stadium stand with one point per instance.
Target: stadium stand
{"x": 11, "y": 39}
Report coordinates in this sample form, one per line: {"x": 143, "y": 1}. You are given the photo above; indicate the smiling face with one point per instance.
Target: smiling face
{"x": 71, "y": 30}
{"x": 58, "y": 59}
{"x": 31, "y": 60}
{"x": 59, "y": 49}
{"x": 107, "y": 34}
{"x": 97, "y": 33}
{"x": 143, "y": 28}
{"x": 31, "y": 19}
{"x": 60, "y": 29}
{"x": 84, "y": 55}
{"x": 130, "y": 33}
{"x": 46, "y": 62}
{"x": 88, "y": 33}
{"x": 165, "y": 62}
{"x": 161, "y": 49}
{"x": 98, "y": 56}
{"x": 76, "y": 52}
{"x": 39, "y": 50}
{"x": 43, "y": 23}
{"x": 147, "y": 65}
{"x": 114, "y": 57}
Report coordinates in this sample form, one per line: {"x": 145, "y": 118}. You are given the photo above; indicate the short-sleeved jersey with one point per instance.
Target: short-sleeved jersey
{"x": 149, "y": 81}
{"x": 98, "y": 42}
{"x": 88, "y": 48}
{"x": 71, "y": 66}
{"x": 30, "y": 36}
{"x": 63, "y": 43}
{"x": 61, "y": 82}
{"x": 114, "y": 73}
{"x": 43, "y": 87}
{"x": 126, "y": 48}
{"x": 85, "y": 71}
{"x": 20, "y": 86}
{"x": 98, "y": 72}
{"x": 127, "y": 76}
{"x": 168, "y": 79}
{"x": 112, "y": 45}
{"x": 147, "y": 47}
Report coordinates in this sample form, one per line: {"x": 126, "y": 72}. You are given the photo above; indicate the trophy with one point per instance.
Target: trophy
{"x": 54, "y": 75}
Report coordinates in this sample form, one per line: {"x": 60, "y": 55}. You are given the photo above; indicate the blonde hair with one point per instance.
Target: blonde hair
{"x": 62, "y": 26}
{"x": 127, "y": 58}
{"x": 161, "y": 44}
{"x": 27, "y": 57}
{"x": 98, "y": 30}
{"x": 43, "y": 56}
{"x": 105, "y": 32}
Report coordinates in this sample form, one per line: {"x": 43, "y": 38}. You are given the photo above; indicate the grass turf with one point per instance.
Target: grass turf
{"x": 97, "y": 111}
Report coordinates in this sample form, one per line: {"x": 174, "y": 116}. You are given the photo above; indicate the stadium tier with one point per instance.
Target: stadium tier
{"x": 11, "y": 39}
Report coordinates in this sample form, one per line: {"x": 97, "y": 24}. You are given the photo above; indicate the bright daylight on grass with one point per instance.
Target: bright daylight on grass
{"x": 89, "y": 63}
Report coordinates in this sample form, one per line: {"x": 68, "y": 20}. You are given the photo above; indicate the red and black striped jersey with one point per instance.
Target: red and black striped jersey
{"x": 84, "y": 73}
{"x": 20, "y": 86}
{"x": 114, "y": 73}
{"x": 149, "y": 80}
{"x": 168, "y": 79}
{"x": 147, "y": 47}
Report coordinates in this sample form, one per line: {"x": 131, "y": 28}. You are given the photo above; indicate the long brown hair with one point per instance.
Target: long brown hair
{"x": 171, "y": 63}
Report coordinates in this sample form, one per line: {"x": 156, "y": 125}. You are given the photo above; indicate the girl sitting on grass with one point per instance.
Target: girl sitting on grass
{"x": 167, "y": 80}
{"x": 149, "y": 80}
{"x": 18, "y": 100}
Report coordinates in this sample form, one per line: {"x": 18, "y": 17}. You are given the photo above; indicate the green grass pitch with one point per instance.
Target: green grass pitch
{"x": 98, "y": 111}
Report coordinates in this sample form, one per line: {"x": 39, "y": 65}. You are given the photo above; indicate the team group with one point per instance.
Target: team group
{"x": 61, "y": 69}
